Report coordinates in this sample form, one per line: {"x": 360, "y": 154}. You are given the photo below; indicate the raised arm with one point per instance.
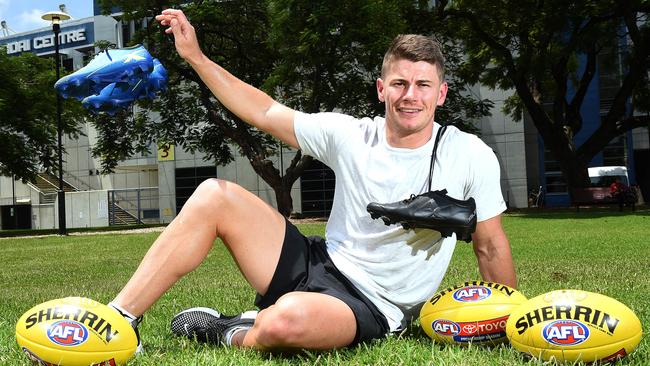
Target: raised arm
{"x": 247, "y": 102}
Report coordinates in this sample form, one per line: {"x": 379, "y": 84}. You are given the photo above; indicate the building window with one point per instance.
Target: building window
{"x": 317, "y": 190}
{"x": 555, "y": 182}
{"x": 126, "y": 33}
{"x": 137, "y": 25}
{"x": 610, "y": 70}
{"x": 68, "y": 64}
{"x": 187, "y": 179}
{"x": 87, "y": 57}
{"x": 615, "y": 153}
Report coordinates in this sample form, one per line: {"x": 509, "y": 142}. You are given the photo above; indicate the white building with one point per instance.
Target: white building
{"x": 153, "y": 187}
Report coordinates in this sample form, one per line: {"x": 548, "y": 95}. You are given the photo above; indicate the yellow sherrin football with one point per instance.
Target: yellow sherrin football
{"x": 574, "y": 325}
{"x": 75, "y": 331}
{"x": 473, "y": 312}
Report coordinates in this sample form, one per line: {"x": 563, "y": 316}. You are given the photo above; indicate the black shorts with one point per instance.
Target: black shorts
{"x": 304, "y": 265}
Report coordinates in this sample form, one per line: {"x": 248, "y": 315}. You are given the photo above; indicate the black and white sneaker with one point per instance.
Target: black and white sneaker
{"x": 209, "y": 326}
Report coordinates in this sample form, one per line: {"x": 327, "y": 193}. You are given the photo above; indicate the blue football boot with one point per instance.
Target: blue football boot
{"x": 125, "y": 65}
{"x": 115, "y": 96}
{"x": 157, "y": 78}
{"x": 155, "y": 81}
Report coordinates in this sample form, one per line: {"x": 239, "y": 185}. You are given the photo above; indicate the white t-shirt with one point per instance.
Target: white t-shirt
{"x": 397, "y": 269}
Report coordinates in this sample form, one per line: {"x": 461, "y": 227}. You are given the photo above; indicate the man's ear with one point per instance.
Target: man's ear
{"x": 380, "y": 90}
{"x": 443, "y": 93}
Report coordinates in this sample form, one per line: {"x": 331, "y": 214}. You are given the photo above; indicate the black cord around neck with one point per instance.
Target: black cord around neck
{"x": 441, "y": 131}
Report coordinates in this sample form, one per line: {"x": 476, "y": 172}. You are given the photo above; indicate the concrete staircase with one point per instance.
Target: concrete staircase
{"x": 122, "y": 217}
{"x": 48, "y": 185}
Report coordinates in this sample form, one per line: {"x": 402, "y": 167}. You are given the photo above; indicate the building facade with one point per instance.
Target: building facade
{"x": 153, "y": 187}
{"x": 150, "y": 188}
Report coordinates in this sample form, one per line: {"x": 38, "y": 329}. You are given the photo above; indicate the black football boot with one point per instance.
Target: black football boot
{"x": 431, "y": 210}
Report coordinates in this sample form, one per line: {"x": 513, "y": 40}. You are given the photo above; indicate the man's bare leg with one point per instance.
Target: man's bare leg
{"x": 302, "y": 320}
{"x": 254, "y": 232}
{"x": 251, "y": 229}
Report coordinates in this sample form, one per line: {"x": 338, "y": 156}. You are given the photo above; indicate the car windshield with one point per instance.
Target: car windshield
{"x": 607, "y": 180}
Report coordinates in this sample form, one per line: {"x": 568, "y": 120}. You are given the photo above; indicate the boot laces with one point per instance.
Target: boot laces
{"x": 428, "y": 194}
{"x": 410, "y": 199}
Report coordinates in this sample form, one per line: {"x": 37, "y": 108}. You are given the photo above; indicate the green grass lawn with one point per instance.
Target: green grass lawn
{"x": 606, "y": 252}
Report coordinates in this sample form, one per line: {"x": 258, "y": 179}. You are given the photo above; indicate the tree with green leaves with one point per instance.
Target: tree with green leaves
{"x": 310, "y": 55}
{"x": 28, "y": 120}
{"x": 332, "y": 53}
{"x": 550, "y": 53}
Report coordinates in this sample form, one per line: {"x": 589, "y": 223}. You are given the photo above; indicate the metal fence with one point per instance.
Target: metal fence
{"x": 133, "y": 206}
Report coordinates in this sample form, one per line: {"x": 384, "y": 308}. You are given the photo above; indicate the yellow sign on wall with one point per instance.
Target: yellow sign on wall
{"x": 165, "y": 152}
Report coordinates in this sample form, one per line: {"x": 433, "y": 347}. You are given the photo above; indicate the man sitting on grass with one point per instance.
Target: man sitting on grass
{"x": 366, "y": 279}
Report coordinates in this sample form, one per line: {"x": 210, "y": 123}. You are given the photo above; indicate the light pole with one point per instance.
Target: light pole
{"x": 13, "y": 201}
{"x": 56, "y": 17}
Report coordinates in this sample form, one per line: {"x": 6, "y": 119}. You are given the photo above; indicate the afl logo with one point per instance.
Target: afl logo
{"x": 445, "y": 327}
{"x": 472, "y": 293}
{"x": 565, "y": 332}
{"x": 67, "y": 333}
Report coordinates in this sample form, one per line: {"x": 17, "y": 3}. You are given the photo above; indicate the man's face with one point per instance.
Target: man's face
{"x": 411, "y": 91}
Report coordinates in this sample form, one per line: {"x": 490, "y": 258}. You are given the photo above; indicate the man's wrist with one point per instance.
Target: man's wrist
{"x": 197, "y": 60}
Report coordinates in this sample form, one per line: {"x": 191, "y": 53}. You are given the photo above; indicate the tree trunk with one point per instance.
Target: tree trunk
{"x": 574, "y": 171}
{"x": 284, "y": 200}
{"x": 281, "y": 185}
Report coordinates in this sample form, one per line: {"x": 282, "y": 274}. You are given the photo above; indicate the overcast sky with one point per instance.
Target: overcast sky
{"x": 25, "y": 15}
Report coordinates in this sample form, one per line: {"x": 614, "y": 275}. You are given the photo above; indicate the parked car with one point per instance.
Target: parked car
{"x": 604, "y": 176}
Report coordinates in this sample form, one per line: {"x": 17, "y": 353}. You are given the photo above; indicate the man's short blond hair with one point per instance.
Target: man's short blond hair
{"x": 415, "y": 47}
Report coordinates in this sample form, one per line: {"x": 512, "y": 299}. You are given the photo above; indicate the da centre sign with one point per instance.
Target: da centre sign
{"x": 42, "y": 41}
{"x": 46, "y": 41}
